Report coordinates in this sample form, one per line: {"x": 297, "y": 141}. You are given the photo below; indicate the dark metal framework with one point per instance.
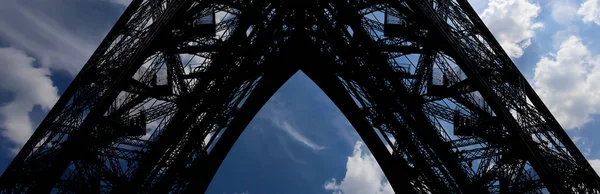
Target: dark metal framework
{"x": 426, "y": 73}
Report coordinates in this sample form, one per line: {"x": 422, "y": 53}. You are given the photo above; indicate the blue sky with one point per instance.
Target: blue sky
{"x": 299, "y": 142}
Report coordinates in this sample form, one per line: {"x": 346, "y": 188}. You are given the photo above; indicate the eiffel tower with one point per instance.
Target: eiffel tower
{"x": 427, "y": 73}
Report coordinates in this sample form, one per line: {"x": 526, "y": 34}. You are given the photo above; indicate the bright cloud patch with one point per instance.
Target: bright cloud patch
{"x": 363, "y": 175}
{"x": 282, "y": 118}
{"x": 29, "y": 86}
{"x": 513, "y": 23}
{"x": 121, "y": 2}
{"x": 563, "y": 11}
{"x": 569, "y": 82}
{"x": 595, "y": 164}
{"x": 590, "y": 11}
{"x": 36, "y": 31}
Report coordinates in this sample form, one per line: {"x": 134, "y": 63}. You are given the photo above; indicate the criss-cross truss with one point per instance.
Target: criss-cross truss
{"x": 167, "y": 93}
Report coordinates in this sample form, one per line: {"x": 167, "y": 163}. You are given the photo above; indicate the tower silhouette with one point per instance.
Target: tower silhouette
{"x": 427, "y": 73}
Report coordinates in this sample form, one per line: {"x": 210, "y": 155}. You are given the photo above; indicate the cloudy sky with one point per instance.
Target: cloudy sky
{"x": 299, "y": 142}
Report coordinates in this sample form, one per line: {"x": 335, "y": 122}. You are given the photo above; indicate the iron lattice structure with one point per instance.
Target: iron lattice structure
{"x": 426, "y": 73}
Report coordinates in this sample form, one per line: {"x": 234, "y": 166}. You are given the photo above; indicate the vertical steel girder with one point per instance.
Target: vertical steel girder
{"x": 159, "y": 104}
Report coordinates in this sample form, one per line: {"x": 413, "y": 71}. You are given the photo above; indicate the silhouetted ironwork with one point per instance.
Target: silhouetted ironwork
{"x": 192, "y": 75}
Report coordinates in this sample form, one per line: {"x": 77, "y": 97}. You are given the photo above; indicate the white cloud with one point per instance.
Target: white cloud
{"x": 478, "y": 5}
{"x": 121, "y": 2}
{"x": 563, "y": 11}
{"x": 595, "y": 164}
{"x": 513, "y": 23}
{"x": 563, "y": 35}
{"x": 34, "y": 29}
{"x": 363, "y": 175}
{"x": 569, "y": 83}
{"x": 43, "y": 36}
{"x": 279, "y": 116}
{"x": 285, "y": 125}
{"x": 30, "y": 87}
{"x": 590, "y": 11}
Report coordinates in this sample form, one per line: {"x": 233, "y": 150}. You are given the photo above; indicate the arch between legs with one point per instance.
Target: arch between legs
{"x": 394, "y": 169}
